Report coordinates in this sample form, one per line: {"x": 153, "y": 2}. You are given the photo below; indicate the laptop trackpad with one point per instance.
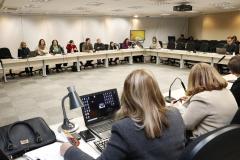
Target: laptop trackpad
{"x": 106, "y": 134}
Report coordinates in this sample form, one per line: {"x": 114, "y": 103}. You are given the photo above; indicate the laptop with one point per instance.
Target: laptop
{"x": 221, "y": 50}
{"x": 98, "y": 111}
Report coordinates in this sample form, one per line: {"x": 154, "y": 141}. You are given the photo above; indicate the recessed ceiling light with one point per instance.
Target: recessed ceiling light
{"x": 135, "y": 16}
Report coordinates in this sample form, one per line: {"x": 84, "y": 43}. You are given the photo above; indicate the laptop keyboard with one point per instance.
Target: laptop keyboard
{"x": 100, "y": 128}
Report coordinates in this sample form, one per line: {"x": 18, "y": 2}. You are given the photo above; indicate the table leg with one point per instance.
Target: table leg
{"x": 212, "y": 63}
{"x": 131, "y": 59}
{"x": 4, "y": 76}
{"x": 78, "y": 64}
{"x": 181, "y": 63}
{"x": 44, "y": 72}
{"x": 157, "y": 59}
{"x": 106, "y": 62}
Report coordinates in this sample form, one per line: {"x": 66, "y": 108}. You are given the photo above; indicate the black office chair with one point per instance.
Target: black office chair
{"x": 6, "y": 54}
{"x": 171, "y": 45}
{"x": 236, "y": 118}
{"x": 213, "y": 46}
{"x": 204, "y": 47}
{"x": 221, "y": 144}
{"x": 161, "y": 44}
{"x": 180, "y": 46}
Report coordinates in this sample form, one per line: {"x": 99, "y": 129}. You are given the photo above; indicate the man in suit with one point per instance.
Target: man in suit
{"x": 99, "y": 45}
{"x": 234, "y": 66}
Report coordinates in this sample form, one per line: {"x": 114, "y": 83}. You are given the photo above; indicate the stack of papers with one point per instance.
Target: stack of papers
{"x": 49, "y": 152}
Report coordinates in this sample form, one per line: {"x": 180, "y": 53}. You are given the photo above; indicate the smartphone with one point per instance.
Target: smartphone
{"x": 87, "y": 135}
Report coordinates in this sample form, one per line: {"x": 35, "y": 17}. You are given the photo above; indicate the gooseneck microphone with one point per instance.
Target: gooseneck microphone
{"x": 221, "y": 59}
{"x": 168, "y": 98}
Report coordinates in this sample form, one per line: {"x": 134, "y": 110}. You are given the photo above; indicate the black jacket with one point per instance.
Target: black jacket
{"x": 128, "y": 142}
{"x": 99, "y": 46}
{"x": 235, "y": 89}
{"x": 232, "y": 48}
{"x": 23, "y": 52}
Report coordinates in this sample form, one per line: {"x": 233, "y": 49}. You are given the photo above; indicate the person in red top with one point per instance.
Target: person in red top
{"x": 71, "y": 47}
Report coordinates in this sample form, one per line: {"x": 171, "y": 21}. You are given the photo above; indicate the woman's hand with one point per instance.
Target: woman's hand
{"x": 64, "y": 147}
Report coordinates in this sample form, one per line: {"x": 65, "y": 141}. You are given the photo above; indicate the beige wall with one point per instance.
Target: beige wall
{"x": 215, "y": 26}
{"x": 14, "y": 29}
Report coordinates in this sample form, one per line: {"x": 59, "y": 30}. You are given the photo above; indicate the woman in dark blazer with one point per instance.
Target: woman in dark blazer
{"x": 24, "y": 52}
{"x": 145, "y": 130}
{"x": 234, "y": 66}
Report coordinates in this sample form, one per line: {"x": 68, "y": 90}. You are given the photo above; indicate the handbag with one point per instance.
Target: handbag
{"x": 23, "y": 136}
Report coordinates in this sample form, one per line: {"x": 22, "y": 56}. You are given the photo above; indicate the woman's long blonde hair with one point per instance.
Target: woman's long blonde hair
{"x": 204, "y": 77}
{"x": 142, "y": 101}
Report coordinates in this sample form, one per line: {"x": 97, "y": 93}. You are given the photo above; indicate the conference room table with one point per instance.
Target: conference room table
{"x": 43, "y": 61}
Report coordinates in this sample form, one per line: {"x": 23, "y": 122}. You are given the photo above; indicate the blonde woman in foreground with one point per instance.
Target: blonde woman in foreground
{"x": 210, "y": 104}
{"x": 145, "y": 129}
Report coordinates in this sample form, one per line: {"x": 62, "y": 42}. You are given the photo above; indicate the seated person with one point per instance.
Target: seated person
{"x": 55, "y": 48}
{"x": 181, "y": 39}
{"x": 210, "y": 105}
{"x": 138, "y": 45}
{"x": 87, "y": 47}
{"x": 42, "y": 49}
{"x": 234, "y": 67}
{"x": 113, "y": 46}
{"x": 126, "y": 44}
{"x": 71, "y": 47}
{"x": 24, "y": 52}
{"x": 145, "y": 128}
{"x": 231, "y": 47}
{"x": 98, "y": 46}
{"x": 155, "y": 44}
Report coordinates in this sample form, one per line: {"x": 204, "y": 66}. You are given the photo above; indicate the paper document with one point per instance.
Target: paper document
{"x": 49, "y": 152}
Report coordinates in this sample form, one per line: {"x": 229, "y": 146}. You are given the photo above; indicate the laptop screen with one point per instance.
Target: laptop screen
{"x": 100, "y": 106}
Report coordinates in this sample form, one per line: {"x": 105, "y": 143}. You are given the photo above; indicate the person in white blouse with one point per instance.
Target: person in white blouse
{"x": 42, "y": 49}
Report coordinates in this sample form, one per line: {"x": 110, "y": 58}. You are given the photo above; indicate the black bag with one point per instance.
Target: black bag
{"x": 23, "y": 136}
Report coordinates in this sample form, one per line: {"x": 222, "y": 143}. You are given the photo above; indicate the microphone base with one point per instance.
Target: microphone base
{"x": 169, "y": 99}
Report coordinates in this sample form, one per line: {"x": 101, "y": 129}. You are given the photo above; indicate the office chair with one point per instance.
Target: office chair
{"x": 171, "y": 45}
{"x": 236, "y": 118}
{"x": 212, "y": 46}
{"x": 221, "y": 144}
{"x": 6, "y": 54}
{"x": 180, "y": 46}
{"x": 190, "y": 46}
{"x": 204, "y": 47}
{"x": 161, "y": 44}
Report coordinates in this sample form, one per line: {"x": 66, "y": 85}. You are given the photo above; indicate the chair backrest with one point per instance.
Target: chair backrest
{"x": 190, "y": 46}
{"x": 171, "y": 45}
{"x": 180, "y": 46}
{"x": 204, "y": 47}
{"x": 221, "y": 144}
{"x": 80, "y": 46}
{"x": 106, "y": 46}
{"x": 161, "y": 44}
{"x": 236, "y": 118}
{"x": 5, "y": 53}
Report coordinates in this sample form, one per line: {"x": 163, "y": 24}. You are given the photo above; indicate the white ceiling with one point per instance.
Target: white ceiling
{"x": 142, "y": 8}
